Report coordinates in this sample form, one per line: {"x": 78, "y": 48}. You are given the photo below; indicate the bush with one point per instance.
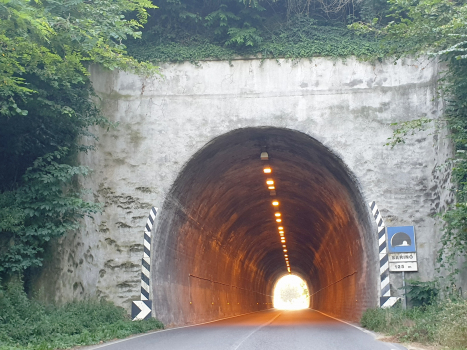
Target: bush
{"x": 444, "y": 323}
{"x": 452, "y": 330}
{"x": 27, "y": 323}
{"x": 422, "y": 293}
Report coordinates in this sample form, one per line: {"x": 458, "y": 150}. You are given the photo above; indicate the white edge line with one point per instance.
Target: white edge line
{"x": 360, "y": 328}
{"x": 350, "y": 324}
{"x": 96, "y": 346}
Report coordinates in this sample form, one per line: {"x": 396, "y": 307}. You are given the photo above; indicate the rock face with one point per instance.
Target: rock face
{"x": 189, "y": 142}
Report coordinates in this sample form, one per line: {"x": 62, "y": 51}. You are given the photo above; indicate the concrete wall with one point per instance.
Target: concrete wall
{"x": 347, "y": 106}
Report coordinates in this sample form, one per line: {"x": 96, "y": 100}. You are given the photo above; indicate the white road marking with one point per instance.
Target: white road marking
{"x": 236, "y": 346}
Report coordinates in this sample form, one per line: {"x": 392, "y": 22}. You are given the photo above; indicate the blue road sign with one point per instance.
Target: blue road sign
{"x": 401, "y": 239}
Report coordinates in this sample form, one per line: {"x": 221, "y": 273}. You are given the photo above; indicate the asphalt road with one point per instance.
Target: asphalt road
{"x": 268, "y": 330}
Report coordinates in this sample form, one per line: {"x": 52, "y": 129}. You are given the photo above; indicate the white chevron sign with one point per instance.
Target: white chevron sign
{"x": 144, "y": 310}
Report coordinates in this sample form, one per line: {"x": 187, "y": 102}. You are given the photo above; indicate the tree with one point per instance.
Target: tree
{"x": 46, "y": 107}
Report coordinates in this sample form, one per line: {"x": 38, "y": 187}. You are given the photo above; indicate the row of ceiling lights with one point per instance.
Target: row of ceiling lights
{"x": 277, "y": 214}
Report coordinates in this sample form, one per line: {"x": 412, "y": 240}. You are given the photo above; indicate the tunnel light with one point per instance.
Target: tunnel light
{"x": 269, "y": 182}
{"x": 281, "y": 234}
{"x": 285, "y": 250}
{"x": 267, "y": 170}
{"x": 278, "y": 220}
{"x": 284, "y": 246}
{"x": 286, "y": 255}
{"x": 271, "y": 187}
{"x": 288, "y": 269}
{"x": 277, "y": 214}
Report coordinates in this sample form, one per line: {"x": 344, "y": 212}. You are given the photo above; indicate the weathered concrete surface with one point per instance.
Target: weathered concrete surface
{"x": 163, "y": 121}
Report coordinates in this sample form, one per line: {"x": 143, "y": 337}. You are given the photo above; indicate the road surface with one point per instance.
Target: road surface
{"x": 269, "y": 330}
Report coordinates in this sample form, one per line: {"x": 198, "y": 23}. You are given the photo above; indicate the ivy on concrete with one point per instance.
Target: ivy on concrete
{"x": 182, "y": 30}
{"x": 439, "y": 28}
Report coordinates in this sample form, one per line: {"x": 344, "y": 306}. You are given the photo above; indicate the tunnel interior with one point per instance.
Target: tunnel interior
{"x": 217, "y": 248}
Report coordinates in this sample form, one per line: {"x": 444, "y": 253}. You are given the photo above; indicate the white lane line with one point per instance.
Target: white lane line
{"x": 363, "y": 330}
{"x": 93, "y": 347}
{"x": 238, "y": 345}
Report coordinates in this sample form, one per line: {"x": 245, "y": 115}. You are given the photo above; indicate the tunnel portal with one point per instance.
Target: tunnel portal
{"x": 217, "y": 247}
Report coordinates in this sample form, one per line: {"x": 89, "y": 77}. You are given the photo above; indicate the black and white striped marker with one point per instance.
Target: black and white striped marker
{"x": 385, "y": 300}
{"x": 141, "y": 310}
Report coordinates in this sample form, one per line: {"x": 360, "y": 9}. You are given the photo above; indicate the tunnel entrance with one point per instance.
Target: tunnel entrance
{"x": 217, "y": 250}
{"x": 291, "y": 293}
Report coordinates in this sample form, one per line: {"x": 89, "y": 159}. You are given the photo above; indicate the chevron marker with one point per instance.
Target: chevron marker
{"x": 139, "y": 309}
{"x": 385, "y": 300}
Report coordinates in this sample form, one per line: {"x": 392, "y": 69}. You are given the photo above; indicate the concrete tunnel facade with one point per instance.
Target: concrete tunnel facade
{"x": 189, "y": 143}
{"x": 218, "y": 247}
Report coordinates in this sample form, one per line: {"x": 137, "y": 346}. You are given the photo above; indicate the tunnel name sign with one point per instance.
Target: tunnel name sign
{"x": 401, "y": 248}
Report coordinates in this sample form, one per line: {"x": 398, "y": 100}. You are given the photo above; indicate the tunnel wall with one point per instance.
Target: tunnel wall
{"x": 217, "y": 227}
{"x": 347, "y": 106}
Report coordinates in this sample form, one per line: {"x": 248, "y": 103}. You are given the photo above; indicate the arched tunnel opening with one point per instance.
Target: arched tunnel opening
{"x": 217, "y": 250}
{"x": 291, "y": 293}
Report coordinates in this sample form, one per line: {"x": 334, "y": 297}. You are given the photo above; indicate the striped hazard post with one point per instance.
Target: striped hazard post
{"x": 385, "y": 299}
{"x": 141, "y": 309}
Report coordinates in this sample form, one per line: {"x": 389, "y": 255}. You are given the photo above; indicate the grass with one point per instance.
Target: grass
{"x": 444, "y": 323}
{"x": 26, "y": 323}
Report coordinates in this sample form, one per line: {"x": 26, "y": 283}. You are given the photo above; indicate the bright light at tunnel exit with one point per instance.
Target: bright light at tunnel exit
{"x": 291, "y": 293}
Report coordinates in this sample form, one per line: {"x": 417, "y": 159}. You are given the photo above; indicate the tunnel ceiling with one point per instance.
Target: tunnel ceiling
{"x": 220, "y": 202}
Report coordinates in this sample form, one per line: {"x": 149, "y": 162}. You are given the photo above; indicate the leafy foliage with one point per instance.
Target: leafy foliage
{"x": 301, "y": 37}
{"x": 422, "y": 293}
{"x": 46, "y": 107}
{"x": 26, "y": 323}
{"x": 442, "y": 323}
{"x": 182, "y": 30}
{"x": 46, "y": 206}
{"x": 410, "y": 127}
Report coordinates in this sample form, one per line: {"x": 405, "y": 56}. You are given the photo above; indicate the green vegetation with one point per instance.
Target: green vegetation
{"x": 46, "y": 110}
{"x": 187, "y": 30}
{"x": 443, "y": 323}
{"x": 28, "y": 324}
